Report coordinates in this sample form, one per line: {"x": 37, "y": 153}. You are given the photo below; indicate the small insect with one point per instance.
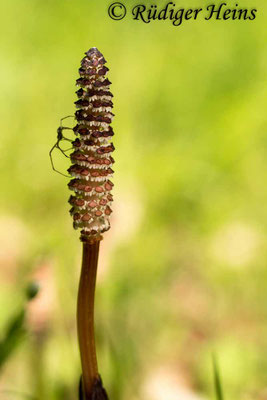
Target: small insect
{"x": 60, "y": 137}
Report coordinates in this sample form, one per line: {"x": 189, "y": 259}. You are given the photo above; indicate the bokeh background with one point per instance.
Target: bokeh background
{"x": 182, "y": 272}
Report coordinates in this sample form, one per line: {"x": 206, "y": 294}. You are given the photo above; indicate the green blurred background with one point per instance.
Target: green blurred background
{"x": 182, "y": 272}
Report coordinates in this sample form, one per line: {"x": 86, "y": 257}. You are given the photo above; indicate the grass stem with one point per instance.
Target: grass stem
{"x": 217, "y": 379}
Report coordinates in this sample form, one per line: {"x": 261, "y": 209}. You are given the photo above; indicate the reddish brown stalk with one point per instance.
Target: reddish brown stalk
{"x": 85, "y": 316}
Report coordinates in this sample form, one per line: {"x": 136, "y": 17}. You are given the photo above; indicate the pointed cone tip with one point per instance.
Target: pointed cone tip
{"x": 93, "y": 50}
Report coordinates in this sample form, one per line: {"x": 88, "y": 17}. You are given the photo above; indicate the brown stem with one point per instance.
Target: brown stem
{"x": 85, "y": 316}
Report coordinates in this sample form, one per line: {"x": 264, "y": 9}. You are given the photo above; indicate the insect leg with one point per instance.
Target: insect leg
{"x": 50, "y": 155}
{"x": 51, "y": 159}
{"x": 62, "y": 119}
{"x": 64, "y": 137}
{"x": 62, "y": 151}
{"x": 68, "y": 116}
{"x": 66, "y": 127}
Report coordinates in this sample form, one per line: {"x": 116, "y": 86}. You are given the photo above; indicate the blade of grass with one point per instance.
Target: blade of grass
{"x": 217, "y": 379}
{"x": 15, "y": 330}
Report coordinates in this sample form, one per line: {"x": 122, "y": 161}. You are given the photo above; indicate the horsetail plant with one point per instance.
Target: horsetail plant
{"x": 91, "y": 171}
